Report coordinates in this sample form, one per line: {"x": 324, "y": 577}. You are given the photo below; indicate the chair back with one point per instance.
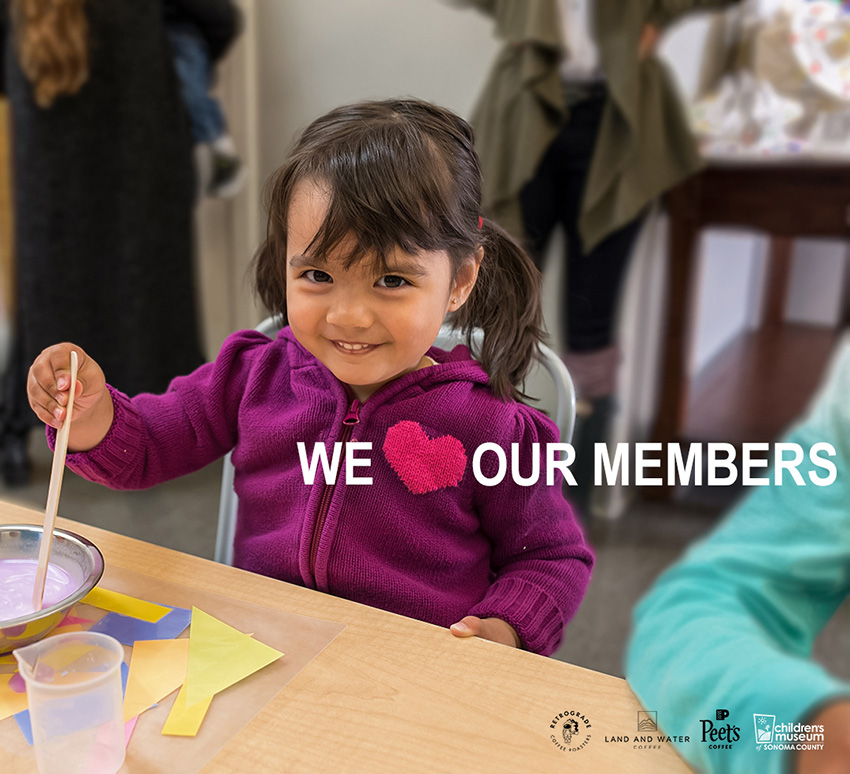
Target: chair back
{"x": 565, "y": 393}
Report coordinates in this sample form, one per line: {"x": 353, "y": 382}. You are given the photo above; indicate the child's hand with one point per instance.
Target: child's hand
{"x": 835, "y": 756}
{"x": 48, "y": 388}
{"x": 494, "y": 629}
{"x": 649, "y": 36}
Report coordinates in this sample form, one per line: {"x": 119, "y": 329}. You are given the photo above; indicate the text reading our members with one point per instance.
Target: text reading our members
{"x": 696, "y": 464}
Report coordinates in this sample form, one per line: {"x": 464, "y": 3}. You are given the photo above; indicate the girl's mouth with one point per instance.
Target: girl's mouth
{"x": 354, "y": 348}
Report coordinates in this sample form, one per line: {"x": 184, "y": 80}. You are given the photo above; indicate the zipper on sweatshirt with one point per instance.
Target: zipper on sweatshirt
{"x": 351, "y": 419}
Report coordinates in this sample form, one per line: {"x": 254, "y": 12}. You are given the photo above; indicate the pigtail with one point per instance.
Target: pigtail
{"x": 506, "y": 305}
{"x": 269, "y": 262}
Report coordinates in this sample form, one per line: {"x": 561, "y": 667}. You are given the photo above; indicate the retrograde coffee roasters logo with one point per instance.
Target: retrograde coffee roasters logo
{"x": 570, "y": 731}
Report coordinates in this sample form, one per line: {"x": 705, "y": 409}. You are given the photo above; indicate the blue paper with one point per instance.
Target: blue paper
{"x": 127, "y": 630}
{"x": 25, "y": 723}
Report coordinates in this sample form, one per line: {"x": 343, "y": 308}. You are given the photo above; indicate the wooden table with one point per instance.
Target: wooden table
{"x": 783, "y": 200}
{"x": 391, "y": 694}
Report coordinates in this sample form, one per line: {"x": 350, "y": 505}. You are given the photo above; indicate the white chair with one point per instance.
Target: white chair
{"x": 229, "y": 502}
{"x": 565, "y": 392}
{"x": 565, "y": 413}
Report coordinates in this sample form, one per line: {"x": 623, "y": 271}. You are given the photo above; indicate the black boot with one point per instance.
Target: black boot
{"x": 590, "y": 430}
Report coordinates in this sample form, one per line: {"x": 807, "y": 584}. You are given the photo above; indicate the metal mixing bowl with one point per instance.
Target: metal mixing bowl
{"x": 79, "y": 557}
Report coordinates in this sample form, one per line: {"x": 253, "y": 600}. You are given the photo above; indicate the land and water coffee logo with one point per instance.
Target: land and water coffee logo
{"x": 719, "y": 734}
{"x": 647, "y": 737}
{"x": 770, "y": 735}
{"x": 570, "y": 731}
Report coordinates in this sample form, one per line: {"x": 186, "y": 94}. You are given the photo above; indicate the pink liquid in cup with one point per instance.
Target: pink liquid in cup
{"x": 17, "y": 580}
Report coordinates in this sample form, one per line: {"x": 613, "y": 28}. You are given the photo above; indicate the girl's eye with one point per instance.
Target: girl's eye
{"x": 392, "y": 281}
{"x": 317, "y": 275}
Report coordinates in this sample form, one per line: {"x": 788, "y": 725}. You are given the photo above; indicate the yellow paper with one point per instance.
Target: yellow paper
{"x": 59, "y": 658}
{"x": 125, "y": 605}
{"x": 220, "y": 656}
{"x": 183, "y": 720}
{"x": 10, "y": 702}
{"x": 157, "y": 668}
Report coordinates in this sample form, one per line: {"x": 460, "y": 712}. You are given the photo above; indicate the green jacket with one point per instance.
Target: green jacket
{"x": 644, "y": 146}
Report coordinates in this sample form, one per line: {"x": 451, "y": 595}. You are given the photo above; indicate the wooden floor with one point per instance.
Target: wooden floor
{"x": 759, "y": 384}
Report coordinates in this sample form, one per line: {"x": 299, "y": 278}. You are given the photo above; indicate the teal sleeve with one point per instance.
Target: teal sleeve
{"x": 732, "y": 624}
{"x": 664, "y": 12}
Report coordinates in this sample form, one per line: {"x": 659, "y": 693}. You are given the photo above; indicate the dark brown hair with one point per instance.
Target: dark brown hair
{"x": 51, "y": 37}
{"x": 404, "y": 173}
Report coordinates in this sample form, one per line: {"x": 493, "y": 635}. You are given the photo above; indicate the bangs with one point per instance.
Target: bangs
{"x": 387, "y": 189}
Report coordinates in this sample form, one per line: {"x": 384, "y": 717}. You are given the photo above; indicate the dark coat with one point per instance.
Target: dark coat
{"x": 103, "y": 195}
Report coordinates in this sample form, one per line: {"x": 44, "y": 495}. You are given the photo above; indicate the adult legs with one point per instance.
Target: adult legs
{"x": 592, "y": 279}
{"x": 192, "y": 63}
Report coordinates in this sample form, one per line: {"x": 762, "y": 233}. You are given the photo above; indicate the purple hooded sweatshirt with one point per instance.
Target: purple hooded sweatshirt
{"x": 425, "y": 539}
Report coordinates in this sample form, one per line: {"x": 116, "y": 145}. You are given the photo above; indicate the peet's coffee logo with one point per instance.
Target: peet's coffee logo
{"x": 647, "y": 737}
{"x": 719, "y": 735}
{"x": 570, "y": 731}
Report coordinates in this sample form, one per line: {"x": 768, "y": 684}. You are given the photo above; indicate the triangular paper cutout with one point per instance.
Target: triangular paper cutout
{"x": 157, "y": 668}
{"x": 220, "y": 656}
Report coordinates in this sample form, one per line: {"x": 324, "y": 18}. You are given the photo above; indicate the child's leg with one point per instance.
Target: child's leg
{"x": 192, "y": 63}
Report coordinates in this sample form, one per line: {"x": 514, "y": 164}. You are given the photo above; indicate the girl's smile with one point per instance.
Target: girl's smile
{"x": 368, "y": 324}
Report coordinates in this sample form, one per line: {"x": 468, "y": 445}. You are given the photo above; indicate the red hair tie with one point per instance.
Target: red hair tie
{"x": 480, "y": 221}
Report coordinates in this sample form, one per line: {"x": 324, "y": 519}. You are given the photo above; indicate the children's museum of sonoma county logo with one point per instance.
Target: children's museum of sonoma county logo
{"x": 570, "y": 730}
{"x": 770, "y": 735}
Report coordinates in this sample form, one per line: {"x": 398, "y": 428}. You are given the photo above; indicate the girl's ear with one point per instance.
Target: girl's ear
{"x": 465, "y": 280}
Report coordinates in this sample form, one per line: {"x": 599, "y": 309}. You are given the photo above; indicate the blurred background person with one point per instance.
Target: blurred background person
{"x": 579, "y": 125}
{"x": 732, "y": 624}
{"x": 201, "y": 32}
{"x": 103, "y": 195}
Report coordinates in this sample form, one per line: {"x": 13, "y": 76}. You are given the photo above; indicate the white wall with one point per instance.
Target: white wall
{"x": 817, "y": 287}
{"x": 317, "y": 54}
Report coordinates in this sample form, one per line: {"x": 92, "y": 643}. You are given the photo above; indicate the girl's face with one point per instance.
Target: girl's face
{"x": 366, "y": 325}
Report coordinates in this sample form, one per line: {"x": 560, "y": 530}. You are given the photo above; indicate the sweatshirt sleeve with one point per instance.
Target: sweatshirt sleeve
{"x": 154, "y": 438}
{"x": 540, "y": 559}
{"x": 733, "y": 623}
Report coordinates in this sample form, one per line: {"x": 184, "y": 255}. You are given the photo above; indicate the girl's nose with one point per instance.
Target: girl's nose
{"x": 349, "y": 311}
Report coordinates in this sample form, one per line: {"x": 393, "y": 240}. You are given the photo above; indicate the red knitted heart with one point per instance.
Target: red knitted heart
{"x": 424, "y": 464}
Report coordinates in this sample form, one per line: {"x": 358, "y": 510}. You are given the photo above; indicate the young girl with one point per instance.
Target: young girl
{"x": 373, "y": 236}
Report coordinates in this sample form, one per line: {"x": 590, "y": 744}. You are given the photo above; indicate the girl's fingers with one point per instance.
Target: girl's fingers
{"x": 45, "y": 406}
{"x": 49, "y": 382}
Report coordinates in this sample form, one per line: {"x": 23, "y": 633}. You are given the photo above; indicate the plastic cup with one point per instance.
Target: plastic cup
{"x": 75, "y": 701}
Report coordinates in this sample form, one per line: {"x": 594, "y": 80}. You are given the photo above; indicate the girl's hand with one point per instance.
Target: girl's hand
{"x": 648, "y": 41}
{"x": 493, "y": 629}
{"x": 48, "y": 388}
